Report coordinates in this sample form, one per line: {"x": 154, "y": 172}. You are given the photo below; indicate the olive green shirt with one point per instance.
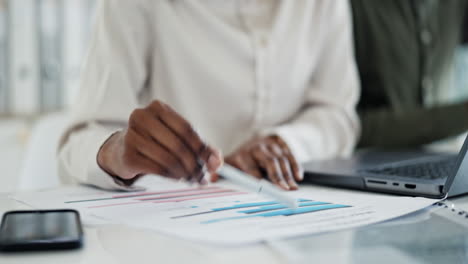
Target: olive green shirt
{"x": 404, "y": 52}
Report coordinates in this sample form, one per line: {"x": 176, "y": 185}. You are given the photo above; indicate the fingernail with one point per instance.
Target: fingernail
{"x": 293, "y": 185}
{"x": 284, "y": 185}
{"x": 213, "y": 162}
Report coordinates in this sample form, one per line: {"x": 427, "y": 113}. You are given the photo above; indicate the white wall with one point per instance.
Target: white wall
{"x": 42, "y": 44}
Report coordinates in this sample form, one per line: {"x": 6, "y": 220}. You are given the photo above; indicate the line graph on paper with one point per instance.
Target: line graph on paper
{"x": 222, "y": 213}
{"x": 246, "y": 209}
{"x": 156, "y": 197}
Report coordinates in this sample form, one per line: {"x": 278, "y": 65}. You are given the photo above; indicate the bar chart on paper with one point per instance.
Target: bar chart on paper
{"x": 210, "y": 194}
{"x": 198, "y": 198}
{"x": 215, "y": 214}
{"x": 222, "y": 214}
{"x": 264, "y": 209}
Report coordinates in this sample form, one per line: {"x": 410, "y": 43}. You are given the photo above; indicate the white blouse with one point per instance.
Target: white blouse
{"x": 233, "y": 68}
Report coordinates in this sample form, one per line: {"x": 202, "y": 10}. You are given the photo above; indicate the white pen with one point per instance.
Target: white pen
{"x": 259, "y": 186}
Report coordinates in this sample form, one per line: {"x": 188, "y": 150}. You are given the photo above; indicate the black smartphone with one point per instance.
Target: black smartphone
{"x": 40, "y": 230}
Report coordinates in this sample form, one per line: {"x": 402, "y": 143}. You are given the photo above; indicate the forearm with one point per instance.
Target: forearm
{"x": 388, "y": 129}
{"x": 320, "y": 133}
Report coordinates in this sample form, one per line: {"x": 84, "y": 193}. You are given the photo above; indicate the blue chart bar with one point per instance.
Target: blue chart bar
{"x": 239, "y": 206}
{"x": 278, "y": 206}
{"x": 285, "y": 212}
{"x": 289, "y": 212}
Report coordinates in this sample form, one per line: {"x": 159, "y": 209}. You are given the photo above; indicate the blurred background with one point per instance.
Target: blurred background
{"x": 42, "y": 46}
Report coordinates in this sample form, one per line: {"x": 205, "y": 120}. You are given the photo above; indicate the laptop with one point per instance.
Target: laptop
{"x": 414, "y": 173}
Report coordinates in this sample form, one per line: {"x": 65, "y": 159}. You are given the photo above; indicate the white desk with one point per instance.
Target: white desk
{"x": 121, "y": 244}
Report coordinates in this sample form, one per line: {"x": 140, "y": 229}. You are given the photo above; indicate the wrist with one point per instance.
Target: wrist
{"x": 105, "y": 155}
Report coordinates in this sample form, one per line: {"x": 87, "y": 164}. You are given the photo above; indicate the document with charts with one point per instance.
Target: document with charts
{"x": 223, "y": 214}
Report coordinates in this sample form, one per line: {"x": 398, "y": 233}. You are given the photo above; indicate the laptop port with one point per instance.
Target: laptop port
{"x": 410, "y": 186}
{"x": 396, "y": 184}
{"x": 375, "y": 181}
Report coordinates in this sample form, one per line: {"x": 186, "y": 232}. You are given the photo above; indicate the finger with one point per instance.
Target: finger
{"x": 147, "y": 166}
{"x": 213, "y": 157}
{"x": 179, "y": 126}
{"x": 247, "y": 164}
{"x": 186, "y": 134}
{"x": 274, "y": 148}
{"x": 295, "y": 167}
{"x": 250, "y": 166}
{"x": 269, "y": 162}
{"x": 287, "y": 173}
{"x": 284, "y": 165}
{"x": 182, "y": 128}
{"x": 156, "y": 153}
{"x": 161, "y": 134}
{"x": 214, "y": 162}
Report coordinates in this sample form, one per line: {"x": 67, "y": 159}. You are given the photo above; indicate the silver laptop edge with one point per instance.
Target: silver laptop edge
{"x": 455, "y": 183}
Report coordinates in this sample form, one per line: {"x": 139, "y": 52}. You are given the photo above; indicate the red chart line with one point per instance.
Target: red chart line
{"x": 172, "y": 200}
{"x": 116, "y": 204}
{"x": 131, "y": 195}
{"x": 185, "y": 194}
{"x": 164, "y": 192}
{"x": 201, "y": 197}
{"x": 179, "y": 198}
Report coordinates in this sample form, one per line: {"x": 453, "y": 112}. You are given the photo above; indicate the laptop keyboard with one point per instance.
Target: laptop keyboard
{"x": 428, "y": 170}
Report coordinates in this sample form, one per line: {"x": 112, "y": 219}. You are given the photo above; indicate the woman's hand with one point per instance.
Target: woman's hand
{"x": 268, "y": 157}
{"x": 158, "y": 141}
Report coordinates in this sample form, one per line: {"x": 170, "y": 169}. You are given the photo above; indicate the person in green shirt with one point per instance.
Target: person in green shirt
{"x": 404, "y": 52}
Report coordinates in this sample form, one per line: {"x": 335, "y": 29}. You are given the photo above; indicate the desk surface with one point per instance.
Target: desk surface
{"x": 121, "y": 244}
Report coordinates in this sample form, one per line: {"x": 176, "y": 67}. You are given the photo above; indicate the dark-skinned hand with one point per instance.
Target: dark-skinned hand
{"x": 158, "y": 141}
{"x": 267, "y": 157}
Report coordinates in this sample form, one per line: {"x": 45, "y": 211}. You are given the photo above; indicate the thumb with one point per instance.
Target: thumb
{"x": 215, "y": 160}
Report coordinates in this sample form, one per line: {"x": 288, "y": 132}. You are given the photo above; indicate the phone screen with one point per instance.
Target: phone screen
{"x": 40, "y": 230}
